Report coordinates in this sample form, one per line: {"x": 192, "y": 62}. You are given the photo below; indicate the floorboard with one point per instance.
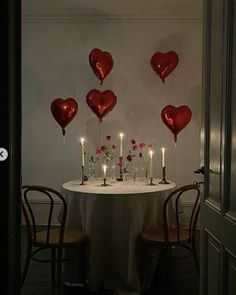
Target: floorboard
{"x": 182, "y": 277}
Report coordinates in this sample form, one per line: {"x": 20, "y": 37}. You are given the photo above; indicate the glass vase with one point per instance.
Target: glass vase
{"x": 112, "y": 171}
{"x": 142, "y": 172}
{"x": 91, "y": 172}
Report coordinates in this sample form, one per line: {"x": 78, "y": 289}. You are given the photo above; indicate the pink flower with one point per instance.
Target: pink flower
{"x": 140, "y": 155}
{"x": 113, "y": 146}
{"x": 119, "y": 164}
{"x": 128, "y": 158}
{"x": 108, "y": 137}
{"x": 142, "y": 145}
{"x": 98, "y": 152}
{"x": 149, "y": 146}
{"x": 103, "y": 147}
{"x": 135, "y": 147}
{"x": 133, "y": 141}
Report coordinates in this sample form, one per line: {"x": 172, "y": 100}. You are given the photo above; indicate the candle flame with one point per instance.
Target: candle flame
{"x": 82, "y": 140}
{"x": 121, "y": 135}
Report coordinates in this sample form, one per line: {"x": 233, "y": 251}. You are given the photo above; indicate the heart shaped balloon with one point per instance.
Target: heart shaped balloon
{"x": 64, "y": 111}
{"x": 176, "y": 118}
{"x": 101, "y": 63}
{"x": 164, "y": 63}
{"x": 101, "y": 103}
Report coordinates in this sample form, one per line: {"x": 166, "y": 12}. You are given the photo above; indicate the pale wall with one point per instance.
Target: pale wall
{"x": 55, "y": 64}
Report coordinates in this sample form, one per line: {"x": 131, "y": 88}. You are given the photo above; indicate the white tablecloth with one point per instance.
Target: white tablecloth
{"x": 113, "y": 218}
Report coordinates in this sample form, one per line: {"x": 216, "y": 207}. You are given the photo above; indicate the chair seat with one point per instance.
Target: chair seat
{"x": 156, "y": 235}
{"x": 71, "y": 236}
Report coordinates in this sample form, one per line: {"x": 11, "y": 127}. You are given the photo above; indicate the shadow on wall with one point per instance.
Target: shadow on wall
{"x": 177, "y": 42}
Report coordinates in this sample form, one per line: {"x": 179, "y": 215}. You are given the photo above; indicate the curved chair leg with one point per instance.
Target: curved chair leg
{"x": 195, "y": 256}
{"x": 27, "y": 262}
{"x": 84, "y": 264}
{"x": 53, "y": 263}
{"x": 59, "y": 266}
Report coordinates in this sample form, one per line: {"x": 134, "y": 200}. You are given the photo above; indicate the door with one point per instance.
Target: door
{"x": 10, "y": 146}
{"x": 218, "y": 212}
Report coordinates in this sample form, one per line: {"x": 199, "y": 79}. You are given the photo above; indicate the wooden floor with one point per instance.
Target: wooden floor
{"x": 182, "y": 278}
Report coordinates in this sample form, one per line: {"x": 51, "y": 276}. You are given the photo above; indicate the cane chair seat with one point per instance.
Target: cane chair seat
{"x": 175, "y": 234}
{"x": 71, "y": 236}
{"x": 156, "y": 235}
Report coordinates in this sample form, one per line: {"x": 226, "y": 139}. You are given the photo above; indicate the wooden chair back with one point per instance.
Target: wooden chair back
{"x": 49, "y": 197}
{"x": 174, "y": 200}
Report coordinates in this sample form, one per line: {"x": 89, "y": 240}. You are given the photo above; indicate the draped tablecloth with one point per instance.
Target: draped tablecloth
{"x": 113, "y": 218}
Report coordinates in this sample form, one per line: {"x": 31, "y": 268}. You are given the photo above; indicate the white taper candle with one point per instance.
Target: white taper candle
{"x": 104, "y": 171}
{"x": 121, "y": 144}
{"x": 150, "y": 164}
{"x": 163, "y": 150}
{"x": 82, "y": 151}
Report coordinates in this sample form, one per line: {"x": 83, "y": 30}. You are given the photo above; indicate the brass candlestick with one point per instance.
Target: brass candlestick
{"x": 104, "y": 182}
{"x": 163, "y": 180}
{"x": 82, "y": 175}
{"x": 121, "y": 171}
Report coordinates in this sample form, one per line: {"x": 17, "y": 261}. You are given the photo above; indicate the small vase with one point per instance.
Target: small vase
{"x": 142, "y": 171}
{"x": 91, "y": 171}
{"x": 112, "y": 170}
{"x": 126, "y": 171}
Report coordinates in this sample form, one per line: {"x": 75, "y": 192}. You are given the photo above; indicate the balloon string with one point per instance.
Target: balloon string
{"x": 63, "y": 158}
{"x": 100, "y": 133}
{"x": 175, "y": 163}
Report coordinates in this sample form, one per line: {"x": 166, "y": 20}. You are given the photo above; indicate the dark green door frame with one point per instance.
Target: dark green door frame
{"x": 10, "y": 139}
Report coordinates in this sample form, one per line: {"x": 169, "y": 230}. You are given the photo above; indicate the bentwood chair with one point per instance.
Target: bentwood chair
{"x": 174, "y": 234}
{"x": 54, "y": 238}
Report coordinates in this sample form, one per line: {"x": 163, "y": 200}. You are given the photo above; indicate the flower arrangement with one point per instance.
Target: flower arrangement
{"x": 104, "y": 154}
{"x": 136, "y": 160}
{"x": 139, "y": 153}
{"x": 107, "y": 151}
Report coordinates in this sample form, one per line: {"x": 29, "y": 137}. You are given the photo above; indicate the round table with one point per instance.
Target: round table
{"x": 113, "y": 217}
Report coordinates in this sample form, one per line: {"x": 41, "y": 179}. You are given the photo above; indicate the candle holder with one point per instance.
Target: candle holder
{"x": 104, "y": 182}
{"x": 151, "y": 181}
{"x": 121, "y": 170}
{"x": 82, "y": 175}
{"x": 163, "y": 180}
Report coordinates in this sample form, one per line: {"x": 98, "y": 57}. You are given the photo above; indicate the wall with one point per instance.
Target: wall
{"x": 55, "y": 64}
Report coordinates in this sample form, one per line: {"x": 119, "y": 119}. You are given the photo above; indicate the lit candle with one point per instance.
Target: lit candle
{"x": 121, "y": 144}
{"x": 163, "y": 150}
{"x": 150, "y": 164}
{"x": 104, "y": 171}
{"x": 82, "y": 150}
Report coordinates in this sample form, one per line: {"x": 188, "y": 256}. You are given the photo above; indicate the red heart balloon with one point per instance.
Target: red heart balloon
{"x": 164, "y": 63}
{"x": 64, "y": 111}
{"x": 101, "y": 63}
{"x": 176, "y": 118}
{"x": 101, "y": 103}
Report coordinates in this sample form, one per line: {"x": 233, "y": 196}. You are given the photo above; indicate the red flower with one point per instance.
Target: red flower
{"x": 142, "y": 145}
{"x": 108, "y": 137}
{"x": 113, "y": 146}
{"x": 103, "y": 147}
{"x": 135, "y": 147}
{"x": 133, "y": 141}
{"x": 98, "y": 152}
{"x": 140, "y": 155}
{"x": 149, "y": 146}
{"x": 119, "y": 164}
{"x": 128, "y": 158}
